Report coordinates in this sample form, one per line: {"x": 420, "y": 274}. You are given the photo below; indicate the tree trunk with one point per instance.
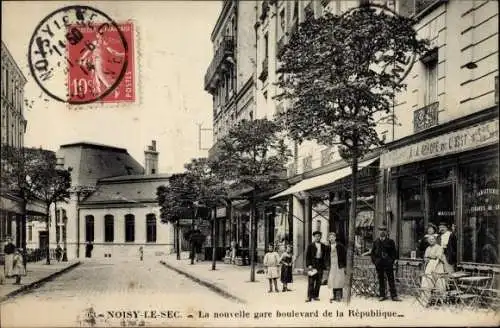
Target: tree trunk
{"x": 214, "y": 236}
{"x": 47, "y": 223}
{"x": 352, "y": 225}
{"x": 178, "y": 239}
{"x": 192, "y": 249}
{"x": 253, "y": 240}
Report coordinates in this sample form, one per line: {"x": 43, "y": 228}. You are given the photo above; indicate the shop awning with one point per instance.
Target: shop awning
{"x": 323, "y": 179}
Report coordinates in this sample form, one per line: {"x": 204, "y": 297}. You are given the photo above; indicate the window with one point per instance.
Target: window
{"x": 266, "y": 45}
{"x": 412, "y": 216}
{"x": 430, "y": 61}
{"x": 129, "y": 228}
{"x": 295, "y": 10}
{"x": 109, "y": 228}
{"x": 58, "y": 233}
{"x": 89, "y": 228}
{"x": 282, "y": 23}
{"x": 481, "y": 210}
{"x": 151, "y": 228}
{"x": 30, "y": 233}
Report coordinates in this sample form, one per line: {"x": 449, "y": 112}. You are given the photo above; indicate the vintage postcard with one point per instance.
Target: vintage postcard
{"x": 249, "y": 163}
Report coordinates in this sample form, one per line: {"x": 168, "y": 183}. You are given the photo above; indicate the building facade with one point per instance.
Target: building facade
{"x": 112, "y": 204}
{"x": 13, "y": 128}
{"x": 440, "y": 161}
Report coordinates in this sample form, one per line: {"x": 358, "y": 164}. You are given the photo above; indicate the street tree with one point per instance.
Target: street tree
{"x": 31, "y": 174}
{"x": 211, "y": 192}
{"x": 339, "y": 75}
{"x": 253, "y": 154}
{"x": 177, "y": 202}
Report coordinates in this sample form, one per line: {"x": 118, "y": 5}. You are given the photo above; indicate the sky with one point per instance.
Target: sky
{"x": 173, "y": 52}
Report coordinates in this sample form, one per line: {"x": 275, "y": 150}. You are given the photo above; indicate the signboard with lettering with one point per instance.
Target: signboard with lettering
{"x": 477, "y": 136}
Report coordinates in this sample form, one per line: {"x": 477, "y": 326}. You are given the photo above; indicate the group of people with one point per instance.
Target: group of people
{"x": 13, "y": 262}
{"x": 440, "y": 256}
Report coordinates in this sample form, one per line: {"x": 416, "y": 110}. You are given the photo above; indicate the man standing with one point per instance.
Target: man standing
{"x": 316, "y": 255}
{"x": 448, "y": 240}
{"x": 383, "y": 255}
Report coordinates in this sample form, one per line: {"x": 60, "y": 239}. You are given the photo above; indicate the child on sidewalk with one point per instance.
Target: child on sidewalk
{"x": 286, "y": 267}
{"x": 272, "y": 262}
{"x": 18, "y": 266}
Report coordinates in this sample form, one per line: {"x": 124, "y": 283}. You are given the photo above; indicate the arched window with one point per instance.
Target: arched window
{"x": 129, "y": 228}
{"x": 89, "y": 228}
{"x": 151, "y": 228}
{"x": 109, "y": 228}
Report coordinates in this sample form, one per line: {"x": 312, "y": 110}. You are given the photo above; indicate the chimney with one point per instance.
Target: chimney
{"x": 151, "y": 159}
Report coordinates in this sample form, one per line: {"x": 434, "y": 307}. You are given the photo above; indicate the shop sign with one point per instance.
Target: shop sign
{"x": 477, "y": 136}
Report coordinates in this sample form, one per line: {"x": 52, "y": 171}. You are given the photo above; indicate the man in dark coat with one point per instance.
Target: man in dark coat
{"x": 384, "y": 255}
{"x": 448, "y": 240}
{"x": 316, "y": 259}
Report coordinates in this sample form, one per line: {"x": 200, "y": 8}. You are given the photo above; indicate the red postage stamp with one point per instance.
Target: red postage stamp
{"x": 102, "y": 68}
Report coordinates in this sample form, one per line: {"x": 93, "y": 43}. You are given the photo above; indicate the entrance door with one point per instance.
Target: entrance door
{"x": 43, "y": 239}
{"x": 442, "y": 204}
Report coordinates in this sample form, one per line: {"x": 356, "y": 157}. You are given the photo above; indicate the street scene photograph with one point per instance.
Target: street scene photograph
{"x": 250, "y": 163}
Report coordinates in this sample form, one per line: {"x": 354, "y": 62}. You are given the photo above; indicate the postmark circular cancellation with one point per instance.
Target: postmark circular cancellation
{"x": 79, "y": 55}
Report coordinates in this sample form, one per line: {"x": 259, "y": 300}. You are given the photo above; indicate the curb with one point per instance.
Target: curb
{"x": 38, "y": 283}
{"x": 210, "y": 285}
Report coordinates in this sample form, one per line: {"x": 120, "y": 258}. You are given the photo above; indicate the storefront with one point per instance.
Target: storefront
{"x": 451, "y": 177}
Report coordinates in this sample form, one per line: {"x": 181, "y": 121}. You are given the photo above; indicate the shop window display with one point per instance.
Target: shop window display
{"x": 412, "y": 217}
{"x": 481, "y": 228}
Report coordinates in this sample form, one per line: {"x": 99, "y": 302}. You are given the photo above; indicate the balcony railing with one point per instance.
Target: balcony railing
{"x": 425, "y": 117}
{"x": 225, "y": 51}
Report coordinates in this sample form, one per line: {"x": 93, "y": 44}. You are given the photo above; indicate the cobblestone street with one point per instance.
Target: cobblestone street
{"x": 110, "y": 286}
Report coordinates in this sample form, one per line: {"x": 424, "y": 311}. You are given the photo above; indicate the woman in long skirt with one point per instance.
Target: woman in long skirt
{"x": 336, "y": 276}
{"x": 434, "y": 260}
{"x": 286, "y": 268}
{"x": 9, "y": 251}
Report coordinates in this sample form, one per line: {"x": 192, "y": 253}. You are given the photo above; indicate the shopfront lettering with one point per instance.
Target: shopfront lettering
{"x": 455, "y": 142}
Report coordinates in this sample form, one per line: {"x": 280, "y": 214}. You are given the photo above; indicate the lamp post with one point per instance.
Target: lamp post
{"x": 64, "y": 233}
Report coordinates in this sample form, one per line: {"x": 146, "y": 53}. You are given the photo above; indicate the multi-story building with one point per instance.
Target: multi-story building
{"x": 230, "y": 79}
{"x": 13, "y": 128}
{"x": 440, "y": 161}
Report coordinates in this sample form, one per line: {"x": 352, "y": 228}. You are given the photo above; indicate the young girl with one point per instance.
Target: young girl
{"x": 18, "y": 266}
{"x": 271, "y": 262}
{"x": 286, "y": 267}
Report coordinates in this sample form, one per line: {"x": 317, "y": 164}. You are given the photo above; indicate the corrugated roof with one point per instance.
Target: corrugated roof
{"x": 138, "y": 190}
{"x": 91, "y": 162}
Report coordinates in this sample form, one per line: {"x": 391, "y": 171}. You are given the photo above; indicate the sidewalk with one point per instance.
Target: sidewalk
{"x": 233, "y": 282}
{"x": 37, "y": 273}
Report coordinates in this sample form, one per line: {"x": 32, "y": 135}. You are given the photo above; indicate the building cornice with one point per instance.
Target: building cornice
{"x": 228, "y": 4}
{"x": 7, "y": 53}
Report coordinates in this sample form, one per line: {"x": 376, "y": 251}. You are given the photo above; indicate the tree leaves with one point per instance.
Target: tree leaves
{"x": 340, "y": 72}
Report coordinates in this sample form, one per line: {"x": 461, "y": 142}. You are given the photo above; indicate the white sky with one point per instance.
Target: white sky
{"x": 174, "y": 53}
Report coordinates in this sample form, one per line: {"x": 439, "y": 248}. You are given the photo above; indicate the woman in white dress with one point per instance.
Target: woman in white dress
{"x": 434, "y": 260}
{"x": 336, "y": 275}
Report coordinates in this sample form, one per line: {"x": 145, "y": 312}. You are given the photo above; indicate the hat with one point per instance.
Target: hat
{"x": 382, "y": 228}
{"x": 442, "y": 223}
{"x": 317, "y": 233}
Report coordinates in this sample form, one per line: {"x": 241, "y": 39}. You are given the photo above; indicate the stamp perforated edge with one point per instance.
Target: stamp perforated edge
{"x": 137, "y": 69}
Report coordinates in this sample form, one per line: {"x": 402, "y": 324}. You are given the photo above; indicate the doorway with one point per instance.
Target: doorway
{"x": 442, "y": 204}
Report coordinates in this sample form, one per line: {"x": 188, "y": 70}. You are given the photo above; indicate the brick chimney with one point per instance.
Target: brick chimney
{"x": 151, "y": 159}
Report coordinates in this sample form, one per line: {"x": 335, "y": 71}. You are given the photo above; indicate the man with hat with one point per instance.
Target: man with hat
{"x": 383, "y": 255}
{"x": 316, "y": 255}
{"x": 448, "y": 241}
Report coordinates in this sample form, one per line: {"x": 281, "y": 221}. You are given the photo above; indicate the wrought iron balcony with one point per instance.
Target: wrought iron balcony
{"x": 219, "y": 63}
{"x": 425, "y": 117}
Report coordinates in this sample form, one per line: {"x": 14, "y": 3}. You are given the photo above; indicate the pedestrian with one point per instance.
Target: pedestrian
{"x": 88, "y": 249}
{"x": 272, "y": 262}
{"x": 384, "y": 256}
{"x": 316, "y": 255}
{"x": 434, "y": 260}
{"x": 337, "y": 264}
{"x": 58, "y": 253}
{"x": 286, "y": 267}
{"x": 141, "y": 253}
{"x": 424, "y": 242}
{"x": 9, "y": 250}
{"x": 18, "y": 266}
{"x": 448, "y": 241}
